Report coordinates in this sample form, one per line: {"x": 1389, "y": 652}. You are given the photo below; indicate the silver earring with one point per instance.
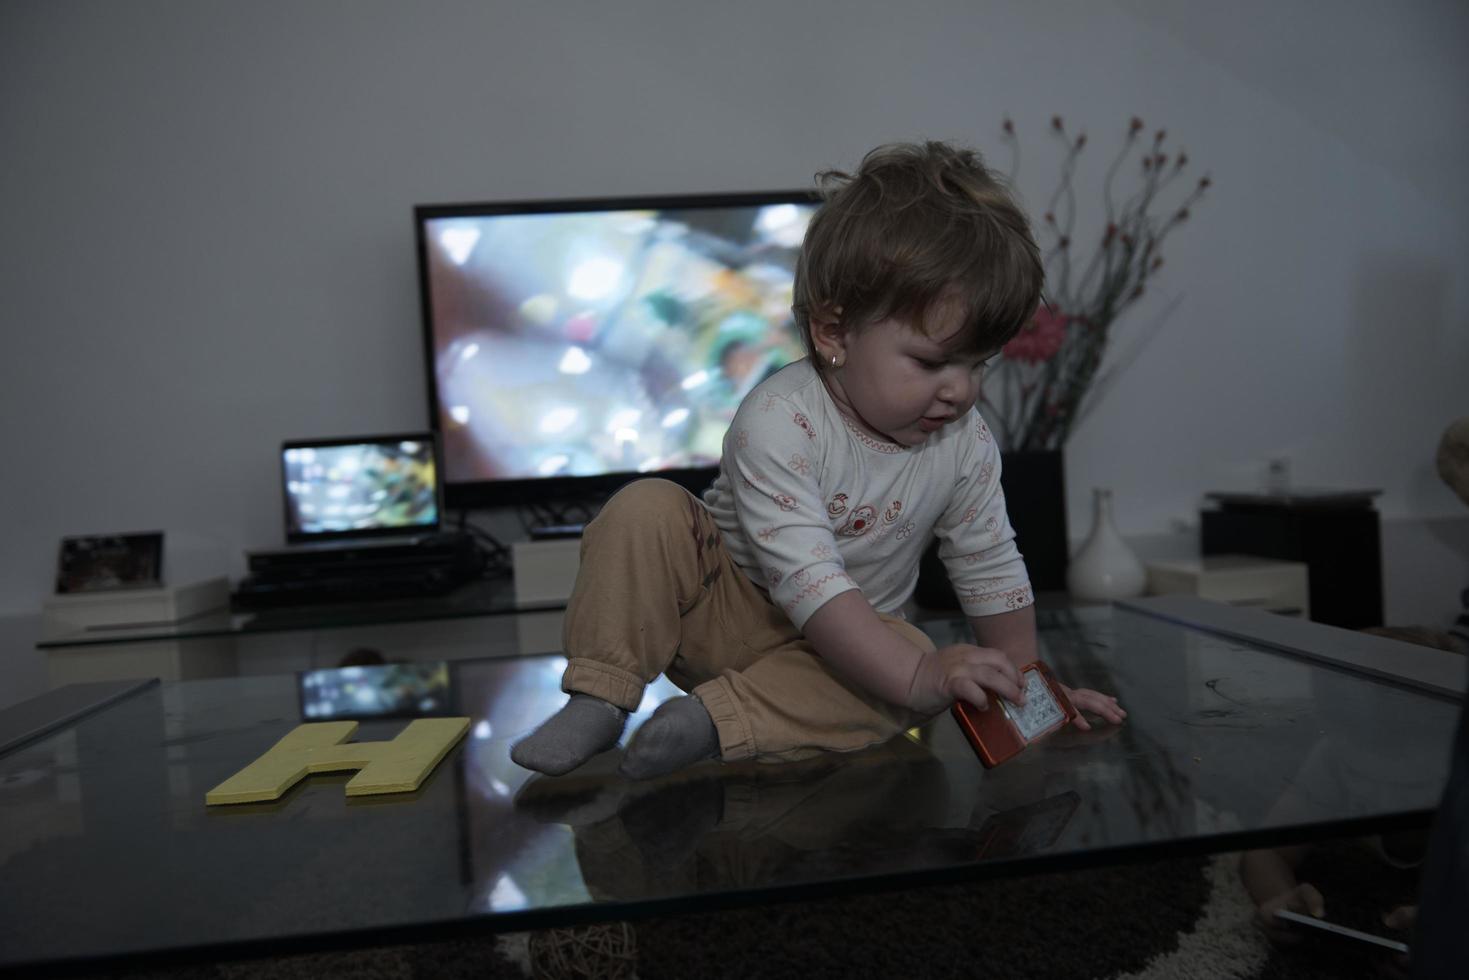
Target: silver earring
{"x": 833, "y": 360}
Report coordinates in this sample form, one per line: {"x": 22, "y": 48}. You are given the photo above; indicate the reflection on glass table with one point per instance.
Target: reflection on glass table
{"x": 484, "y": 597}
{"x": 107, "y": 849}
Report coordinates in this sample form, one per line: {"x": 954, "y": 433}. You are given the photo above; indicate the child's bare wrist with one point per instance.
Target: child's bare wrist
{"x": 919, "y": 686}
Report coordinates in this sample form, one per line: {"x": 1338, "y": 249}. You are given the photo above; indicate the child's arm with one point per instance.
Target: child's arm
{"x": 1012, "y": 632}
{"x": 848, "y": 634}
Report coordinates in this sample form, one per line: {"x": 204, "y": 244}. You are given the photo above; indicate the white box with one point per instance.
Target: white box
{"x": 1240, "y": 580}
{"x": 545, "y": 571}
{"x": 164, "y": 605}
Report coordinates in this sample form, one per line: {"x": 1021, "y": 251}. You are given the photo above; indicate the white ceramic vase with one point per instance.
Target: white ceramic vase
{"x": 1105, "y": 568}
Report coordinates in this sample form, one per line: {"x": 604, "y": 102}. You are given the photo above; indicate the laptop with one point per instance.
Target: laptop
{"x": 361, "y": 490}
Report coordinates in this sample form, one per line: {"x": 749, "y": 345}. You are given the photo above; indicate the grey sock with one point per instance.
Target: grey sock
{"x": 584, "y": 727}
{"x": 679, "y": 734}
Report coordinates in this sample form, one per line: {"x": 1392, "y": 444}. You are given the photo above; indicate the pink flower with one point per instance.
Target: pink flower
{"x": 1040, "y": 339}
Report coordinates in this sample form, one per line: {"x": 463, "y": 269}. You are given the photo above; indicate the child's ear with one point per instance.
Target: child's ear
{"x": 826, "y": 327}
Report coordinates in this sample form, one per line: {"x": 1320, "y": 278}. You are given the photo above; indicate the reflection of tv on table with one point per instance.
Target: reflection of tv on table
{"x": 574, "y": 345}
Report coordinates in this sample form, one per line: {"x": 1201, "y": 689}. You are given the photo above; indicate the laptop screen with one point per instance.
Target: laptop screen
{"x": 359, "y": 488}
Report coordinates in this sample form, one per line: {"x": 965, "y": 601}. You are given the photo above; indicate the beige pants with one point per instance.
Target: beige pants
{"x": 657, "y": 593}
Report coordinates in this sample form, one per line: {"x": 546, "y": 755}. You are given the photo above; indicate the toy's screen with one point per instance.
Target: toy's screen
{"x": 1040, "y": 713}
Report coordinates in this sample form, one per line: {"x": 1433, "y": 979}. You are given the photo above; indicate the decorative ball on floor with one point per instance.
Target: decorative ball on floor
{"x": 594, "y": 951}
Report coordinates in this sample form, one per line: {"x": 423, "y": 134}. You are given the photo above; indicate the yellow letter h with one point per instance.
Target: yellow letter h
{"x": 398, "y": 766}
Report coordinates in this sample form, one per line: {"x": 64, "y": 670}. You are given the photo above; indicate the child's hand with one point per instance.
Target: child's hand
{"x": 1303, "y": 898}
{"x": 963, "y": 672}
{"x": 1401, "y": 919}
{"x": 1097, "y": 703}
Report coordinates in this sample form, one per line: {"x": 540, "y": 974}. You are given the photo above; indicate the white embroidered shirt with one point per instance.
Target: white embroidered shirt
{"x": 811, "y": 505}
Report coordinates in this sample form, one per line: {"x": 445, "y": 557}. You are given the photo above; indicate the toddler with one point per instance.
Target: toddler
{"x": 776, "y": 600}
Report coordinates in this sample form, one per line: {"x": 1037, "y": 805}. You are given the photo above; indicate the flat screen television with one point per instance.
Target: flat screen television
{"x": 572, "y": 346}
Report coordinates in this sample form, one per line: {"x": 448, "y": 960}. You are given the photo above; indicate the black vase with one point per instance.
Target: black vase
{"x": 1035, "y": 498}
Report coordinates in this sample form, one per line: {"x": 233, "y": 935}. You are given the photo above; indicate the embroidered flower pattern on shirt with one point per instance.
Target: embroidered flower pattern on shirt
{"x": 969, "y": 516}
{"x": 1019, "y": 598}
{"x": 784, "y": 501}
{"x": 773, "y": 576}
{"x": 742, "y": 439}
{"x": 986, "y": 472}
{"x": 837, "y": 506}
{"x": 800, "y": 464}
{"x": 982, "y": 430}
{"x": 974, "y": 558}
{"x": 906, "y": 531}
{"x": 859, "y": 523}
{"x": 768, "y": 533}
{"x": 769, "y": 402}
{"x": 805, "y": 425}
{"x": 821, "y": 552}
{"x": 992, "y": 525}
{"x": 889, "y": 516}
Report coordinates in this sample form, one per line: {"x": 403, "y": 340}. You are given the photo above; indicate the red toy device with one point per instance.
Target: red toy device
{"x": 1003, "y": 730}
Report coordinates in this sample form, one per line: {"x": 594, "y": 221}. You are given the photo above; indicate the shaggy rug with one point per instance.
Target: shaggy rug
{"x": 1186, "y": 918}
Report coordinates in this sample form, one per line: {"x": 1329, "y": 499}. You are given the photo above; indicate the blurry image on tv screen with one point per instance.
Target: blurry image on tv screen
{"x": 575, "y": 344}
{"x": 361, "y": 487}
{"x": 398, "y": 690}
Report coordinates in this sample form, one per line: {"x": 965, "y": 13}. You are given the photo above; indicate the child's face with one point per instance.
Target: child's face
{"x": 901, "y": 383}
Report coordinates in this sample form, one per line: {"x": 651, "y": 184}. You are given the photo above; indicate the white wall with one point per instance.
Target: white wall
{"x": 205, "y": 239}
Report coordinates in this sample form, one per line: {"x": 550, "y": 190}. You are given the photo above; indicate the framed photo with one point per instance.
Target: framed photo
{"x": 108, "y": 562}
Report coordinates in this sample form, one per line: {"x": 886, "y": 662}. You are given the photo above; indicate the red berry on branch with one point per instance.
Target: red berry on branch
{"x": 1159, "y": 137}
{"x": 1009, "y": 126}
{"x": 1050, "y": 218}
{"x": 1182, "y": 159}
{"x": 1081, "y": 141}
{"x": 1204, "y": 182}
{"x": 1063, "y": 242}
{"x": 1056, "y": 123}
{"x": 1136, "y": 125}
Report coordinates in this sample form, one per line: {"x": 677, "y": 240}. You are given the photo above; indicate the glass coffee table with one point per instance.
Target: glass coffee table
{"x": 1243, "y": 731}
